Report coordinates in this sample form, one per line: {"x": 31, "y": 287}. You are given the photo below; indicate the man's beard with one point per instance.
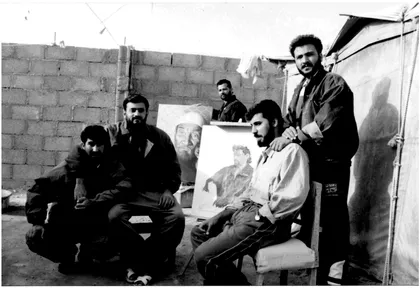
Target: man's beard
{"x": 267, "y": 139}
{"x": 316, "y": 67}
{"x": 186, "y": 155}
{"x": 226, "y": 97}
{"x": 136, "y": 126}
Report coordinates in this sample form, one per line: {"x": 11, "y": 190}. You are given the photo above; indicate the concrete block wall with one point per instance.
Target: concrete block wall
{"x": 50, "y": 93}
{"x": 166, "y": 78}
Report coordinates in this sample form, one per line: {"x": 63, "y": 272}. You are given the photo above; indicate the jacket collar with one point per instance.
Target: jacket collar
{"x": 149, "y": 143}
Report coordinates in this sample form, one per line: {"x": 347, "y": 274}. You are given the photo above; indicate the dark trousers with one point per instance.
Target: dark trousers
{"x": 67, "y": 227}
{"x": 242, "y": 235}
{"x": 146, "y": 256}
{"x": 334, "y": 242}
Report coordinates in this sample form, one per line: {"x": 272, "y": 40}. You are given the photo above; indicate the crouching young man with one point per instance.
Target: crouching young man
{"x": 81, "y": 189}
{"x": 264, "y": 213}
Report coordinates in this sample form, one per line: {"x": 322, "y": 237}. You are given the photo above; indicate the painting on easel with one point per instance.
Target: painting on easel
{"x": 228, "y": 155}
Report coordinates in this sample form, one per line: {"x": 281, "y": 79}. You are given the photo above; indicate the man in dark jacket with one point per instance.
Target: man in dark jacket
{"x": 81, "y": 189}
{"x": 150, "y": 158}
{"x": 321, "y": 119}
{"x": 232, "y": 109}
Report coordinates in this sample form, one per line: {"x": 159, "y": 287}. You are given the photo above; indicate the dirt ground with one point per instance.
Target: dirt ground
{"x": 21, "y": 267}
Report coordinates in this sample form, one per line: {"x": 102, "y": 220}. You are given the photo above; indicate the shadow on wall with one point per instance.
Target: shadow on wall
{"x": 373, "y": 171}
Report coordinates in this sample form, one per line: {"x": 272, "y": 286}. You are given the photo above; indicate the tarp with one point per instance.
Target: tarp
{"x": 368, "y": 48}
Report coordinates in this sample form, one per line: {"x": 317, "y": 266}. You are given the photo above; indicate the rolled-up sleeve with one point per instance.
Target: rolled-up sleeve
{"x": 289, "y": 189}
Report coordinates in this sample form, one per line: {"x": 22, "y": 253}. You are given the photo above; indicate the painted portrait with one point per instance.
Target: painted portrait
{"x": 228, "y": 155}
{"x": 184, "y": 124}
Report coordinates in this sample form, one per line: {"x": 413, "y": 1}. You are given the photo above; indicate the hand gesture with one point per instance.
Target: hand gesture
{"x": 279, "y": 143}
{"x": 290, "y": 133}
{"x": 167, "y": 200}
{"x": 208, "y": 225}
{"x": 83, "y": 203}
{"x": 79, "y": 189}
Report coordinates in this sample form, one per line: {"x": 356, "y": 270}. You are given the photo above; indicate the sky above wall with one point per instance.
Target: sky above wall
{"x": 225, "y": 29}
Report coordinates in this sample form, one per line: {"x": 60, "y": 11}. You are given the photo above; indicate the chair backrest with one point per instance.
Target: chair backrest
{"x": 310, "y": 217}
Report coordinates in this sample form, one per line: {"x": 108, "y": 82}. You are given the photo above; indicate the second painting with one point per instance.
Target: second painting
{"x": 228, "y": 155}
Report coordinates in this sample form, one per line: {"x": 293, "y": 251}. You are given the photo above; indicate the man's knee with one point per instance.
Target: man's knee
{"x": 116, "y": 213}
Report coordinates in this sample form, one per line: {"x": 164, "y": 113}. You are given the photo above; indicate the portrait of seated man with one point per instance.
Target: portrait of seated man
{"x": 187, "y": 144}
{"x": 231, "y": 181}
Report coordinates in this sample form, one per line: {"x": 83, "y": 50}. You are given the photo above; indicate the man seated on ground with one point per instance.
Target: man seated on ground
{"x": 81, "y": 189}
{"x": 264, "y": 213}
{"x": 150, "y": 158}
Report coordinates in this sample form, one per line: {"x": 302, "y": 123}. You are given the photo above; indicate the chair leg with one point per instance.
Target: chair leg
{"x": 260, "y": 279}
{"x": 312, "y": 277}
{"x": 283, "y": 277}
{"x": 187, "y": 263}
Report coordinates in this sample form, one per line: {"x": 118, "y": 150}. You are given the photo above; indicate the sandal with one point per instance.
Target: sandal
{"x": 131, "y": 276}
{"x": 143, "y": 280}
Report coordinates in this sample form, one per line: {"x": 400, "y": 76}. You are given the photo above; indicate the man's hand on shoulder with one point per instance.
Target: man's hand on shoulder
{"x": 167, "y": 200}
{"x": 279, "y": 143}
{"x": 83, "y": 203}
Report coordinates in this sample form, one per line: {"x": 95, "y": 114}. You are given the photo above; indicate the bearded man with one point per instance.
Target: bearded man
{"x": 150, "y": 158}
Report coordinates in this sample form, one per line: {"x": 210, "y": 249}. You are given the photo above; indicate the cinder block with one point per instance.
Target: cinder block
{"x": 155, "y": 87}
{"x": 41, "y": 128}
{"x": 86, "y": 84}
{"x": 213, "y": 63}
{"x": 192, "y": 101}
{"x": 136, "y": 57}
{"x": 184, "y": 90}
{"x": 171, "y": 74}
{"x": 6, "y": 81}
{"x": 10, "y": 156}
{"x": 57, "y": 143}
{"x": 26, "y": 171}
{"x": 248, "y": 95}
{"x": 56, "y": 52}
{"x": 9, "y": 126}
{"x": 199, "y": 76}
{"x": 111, "y": 116}
{"x": 154, "y": 104}
{"x": 90, "y": 115}
{"x": 14, "y": 66}
{"x": 28, "y": 82}
{"x": 6, "y": 111}
{"x": 90, "y": 54}
{"x": 208, "y": 91}
{"x": 122, "y": 83}
{"x": 152, "y": 118}
{"x": 103, "y": 70}
{"x": 108, "y": 85}
{"x": 71, "y": 129}
{"x": 157, "y": 58}
{"x": 44, "y": 67}
{"x": 99, "y": 99}
{"x": 267, "y": 94}
{"x": 276, "y": 81}
{"x": 14, "y": 184}
{"x": 25, "y": 112}
{"x": 6, "y": 171}
{"x": 61, "y": 156}
{"x": 59, "y": 83}
{"x": 110, "y": 56}
{"x": 232, "y": 64}
{"x": 186, "y": 60}
{"x": 46, "y": 168}
{"x": 30, "y": 51}
{"x": 78, "y": 98}
{"x": 74, "y": 68}
{"x": 269, "y": 68}
{"x": 6, "y": 141}
{"x": 41, "y": 157}
{"x": 42, "y": 97}
{"x": 13, "y": 96}
{"x": 144, "y": 72}
{"x": 57, "y": 113}
{"x": 7, "y": 50}
{"x": 234, "y": 78}
{"x": 261, "y": 83}
{"x": 30, "y": 142}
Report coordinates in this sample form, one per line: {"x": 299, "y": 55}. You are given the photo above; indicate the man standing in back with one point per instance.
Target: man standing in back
{"x": 232, "y": 109}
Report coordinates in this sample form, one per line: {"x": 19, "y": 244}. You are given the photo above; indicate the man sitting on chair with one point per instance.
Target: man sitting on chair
{"x": 263, "y": 215}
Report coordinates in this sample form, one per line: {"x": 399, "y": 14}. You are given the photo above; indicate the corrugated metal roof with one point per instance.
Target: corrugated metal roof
{"x": 356, "y": 22}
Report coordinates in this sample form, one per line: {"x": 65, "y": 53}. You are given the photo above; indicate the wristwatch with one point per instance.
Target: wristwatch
{"x": 257, "y": 216}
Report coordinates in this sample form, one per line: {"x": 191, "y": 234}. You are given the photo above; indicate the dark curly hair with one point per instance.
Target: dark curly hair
{"x": 224, "y": 81}
{"x": 269, "y": 109}
{"x": 305, "y": 40}
{"x": 136, "y": 98}
{"x": 96, "y": 133}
